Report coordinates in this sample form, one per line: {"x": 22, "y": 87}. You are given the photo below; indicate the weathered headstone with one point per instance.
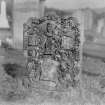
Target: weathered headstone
{"x": 52, "y": 49}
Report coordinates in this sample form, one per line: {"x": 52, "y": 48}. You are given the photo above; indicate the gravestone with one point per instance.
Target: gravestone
{"x": 21, "y": 12}
{"x": 3, "y": 16}
{"x": 53, "y": 48}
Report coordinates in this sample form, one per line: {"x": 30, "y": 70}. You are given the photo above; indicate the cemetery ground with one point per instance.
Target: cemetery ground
{"x": 40, "y": 96}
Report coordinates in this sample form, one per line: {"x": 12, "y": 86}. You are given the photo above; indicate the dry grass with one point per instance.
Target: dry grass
{"x": 39, "y": 96}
